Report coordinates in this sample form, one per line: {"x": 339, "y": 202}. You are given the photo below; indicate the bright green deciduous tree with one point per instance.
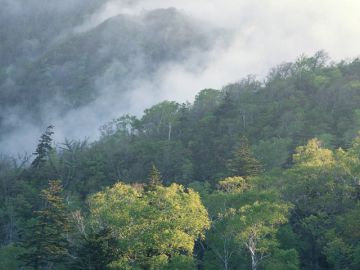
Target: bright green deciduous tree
{"x": 155, "y": 228}
{"x": 245, "y": 223}
{"x": 233, "y": 184}
{"x": 258, "y": 224}
{"x": 323, "y": 186}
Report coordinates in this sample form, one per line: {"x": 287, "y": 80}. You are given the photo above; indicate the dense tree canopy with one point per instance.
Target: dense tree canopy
{"x": 258, "y": 175}
{"x": 155, "y": 228}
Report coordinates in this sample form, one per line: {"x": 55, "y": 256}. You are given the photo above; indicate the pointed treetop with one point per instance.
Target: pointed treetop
{"x": 43, "y": 148}
{"x": 155, "y": 178}
{"x": 243, "y": 163}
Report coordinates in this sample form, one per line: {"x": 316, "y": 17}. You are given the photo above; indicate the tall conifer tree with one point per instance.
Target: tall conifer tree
{"x": 243, "y": 162}
{"x": 155, "y": 178}
{"x": 45, "y": 240}
{"x": 43, "y": 148}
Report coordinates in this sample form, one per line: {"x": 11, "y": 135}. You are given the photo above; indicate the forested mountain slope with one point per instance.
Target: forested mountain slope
{"x": 257, "y": 175}
{"x": 297, "y": 102}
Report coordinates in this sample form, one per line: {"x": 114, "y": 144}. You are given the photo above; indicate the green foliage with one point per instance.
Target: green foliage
{"x": 45, "y": 239}
{"x": 8, "y": 257}
{"x": 282, "y": 260}
{"x": 160, "y": 118}
{"x": 166, "y": 226}
{"x": 272, "y": 153}
{"x": 96, "y": 250}
{"x": 337, "y": 252}
{"x": 155, "y": 177}
{"x": 233, "y": 184}
{"x": 181, "y": 262}
{"x": 187, "y": 142}
{"x": 152, "y": 226}
{"x": 243, "y": 163}
{"x": 245, "y": 225}
{"x": 324, "y": 191}
{"x": 258, "y": 226}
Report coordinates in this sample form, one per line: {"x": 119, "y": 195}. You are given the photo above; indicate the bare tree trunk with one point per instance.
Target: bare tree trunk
{"x": 253, "y": 262}
{"x": 170, "y": 128}
{"x": 226, "y": 262}
{"x": 252, "y": 248}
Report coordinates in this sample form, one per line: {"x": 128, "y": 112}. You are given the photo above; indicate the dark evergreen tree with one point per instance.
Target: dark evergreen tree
{"x": 155, "y": 178}
{"x": 243, "y": 163}
{"x": 43, "y": 148}
{"x": 96, "y": 251}
{"x": 45, "y": 239}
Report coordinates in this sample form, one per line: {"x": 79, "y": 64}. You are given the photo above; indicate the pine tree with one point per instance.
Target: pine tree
{"x": 243, "y": 163}
{"x": 43, "y": 148}
{"x": 155, "y": 178}
{"x": 45, "y": 240}
{"x": 96, "y": 251}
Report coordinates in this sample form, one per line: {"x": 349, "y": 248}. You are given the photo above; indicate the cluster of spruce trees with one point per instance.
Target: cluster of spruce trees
{"x": 235, "y": 180}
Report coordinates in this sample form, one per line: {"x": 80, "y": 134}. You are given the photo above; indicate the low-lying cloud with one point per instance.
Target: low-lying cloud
{"x": 247, "y": 37}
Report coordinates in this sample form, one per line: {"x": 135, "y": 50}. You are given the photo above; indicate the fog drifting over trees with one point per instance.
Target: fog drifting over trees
{"x": 77, "y": 64}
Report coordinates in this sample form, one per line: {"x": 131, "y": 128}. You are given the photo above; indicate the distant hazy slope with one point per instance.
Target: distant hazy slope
{"x": 28, "y": 26}
{"x": 43, "y": 74}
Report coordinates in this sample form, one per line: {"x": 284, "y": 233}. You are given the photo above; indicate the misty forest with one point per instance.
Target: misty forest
{"x": 103, "y": 167}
